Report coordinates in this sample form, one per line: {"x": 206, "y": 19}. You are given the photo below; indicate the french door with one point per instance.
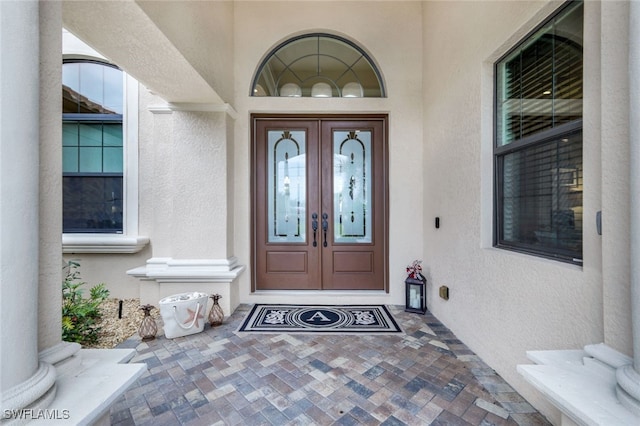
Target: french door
{"x": 319, "y": 203}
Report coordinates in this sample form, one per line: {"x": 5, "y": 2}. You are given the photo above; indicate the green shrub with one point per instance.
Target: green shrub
{"x": 80, "y": 315}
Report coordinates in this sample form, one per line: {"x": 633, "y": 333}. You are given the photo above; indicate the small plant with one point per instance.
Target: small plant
{"x": 79, "y": 314}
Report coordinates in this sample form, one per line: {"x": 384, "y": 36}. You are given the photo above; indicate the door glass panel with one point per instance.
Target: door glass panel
{"x": 286, "y": 186}
{"x": 352, "y": 186}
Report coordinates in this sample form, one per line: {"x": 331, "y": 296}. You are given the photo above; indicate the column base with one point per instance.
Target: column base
{"x": 582, "y": 384}
{"x": 81, "y": 385}
{"x": 628, "y": 389}
{"x": 31, "y": 393}
{"x": 86, "y": 392}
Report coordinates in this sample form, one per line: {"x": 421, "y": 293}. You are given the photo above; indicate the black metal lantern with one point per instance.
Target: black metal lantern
{"x": 416, "y": 297}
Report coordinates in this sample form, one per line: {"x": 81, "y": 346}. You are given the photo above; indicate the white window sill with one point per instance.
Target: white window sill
{"x": 102, "y": 243}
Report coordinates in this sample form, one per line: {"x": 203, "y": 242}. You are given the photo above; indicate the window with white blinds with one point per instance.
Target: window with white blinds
{"x": 538, "y": 140}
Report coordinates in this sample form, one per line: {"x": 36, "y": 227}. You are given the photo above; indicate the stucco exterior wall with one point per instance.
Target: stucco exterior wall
{"x": 110, "y": 269}
{"x": 503, "y": 303}
{"x": 260, "y": 26}
{"x": 198, "y": 189}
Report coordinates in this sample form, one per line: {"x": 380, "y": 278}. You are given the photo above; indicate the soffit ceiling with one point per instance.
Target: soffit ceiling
{"x": 126, "y": 35}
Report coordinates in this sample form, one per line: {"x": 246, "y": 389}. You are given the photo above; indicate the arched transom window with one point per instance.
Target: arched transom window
{"x": 318, "y": 65}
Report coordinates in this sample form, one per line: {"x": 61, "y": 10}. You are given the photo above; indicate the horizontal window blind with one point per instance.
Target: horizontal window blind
{"x": 540, "y": 84}
{"x": 541, "y": 197}
{"x": 538, "y": 149}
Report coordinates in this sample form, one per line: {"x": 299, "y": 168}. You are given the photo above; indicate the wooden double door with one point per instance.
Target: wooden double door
{"x": 319, "y": 198}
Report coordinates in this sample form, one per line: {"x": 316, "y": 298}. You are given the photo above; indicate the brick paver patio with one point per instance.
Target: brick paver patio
{"x": 220, "y": 377}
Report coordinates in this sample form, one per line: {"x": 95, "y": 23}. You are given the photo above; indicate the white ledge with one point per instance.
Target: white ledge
{"x": 168, "y": 270}
{"x": 85, "y": 394}
{"x": 103, "y": 243}
{"x": 583, "y": 388}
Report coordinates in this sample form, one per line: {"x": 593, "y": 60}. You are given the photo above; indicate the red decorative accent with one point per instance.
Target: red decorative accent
{"x": 415, "y": 270}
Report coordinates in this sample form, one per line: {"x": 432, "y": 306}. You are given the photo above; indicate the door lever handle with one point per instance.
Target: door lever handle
{"x": 325, "y": 226}
{"x": 314, "y": 225}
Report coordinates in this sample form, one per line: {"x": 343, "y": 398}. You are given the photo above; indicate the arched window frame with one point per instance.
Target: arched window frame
{"x": 128, "y": 241}
{"x": 268, "y": 57}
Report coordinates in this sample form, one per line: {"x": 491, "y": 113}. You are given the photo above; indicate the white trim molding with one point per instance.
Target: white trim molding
{"x": 169, "y": 270}
{"x": 193, "y": 107}
{"x": 130, "y": 155}
{"x": 129, "y": 241}
{"x": 103, "y": 243}
{"x": 159, "y": 109}
{"x": 165, "y": 276}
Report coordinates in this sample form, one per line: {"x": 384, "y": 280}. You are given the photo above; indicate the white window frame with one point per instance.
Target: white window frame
{"x": 128, "y": 241}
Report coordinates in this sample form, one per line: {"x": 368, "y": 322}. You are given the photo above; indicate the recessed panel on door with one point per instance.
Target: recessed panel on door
{"x": 353, "y": 262}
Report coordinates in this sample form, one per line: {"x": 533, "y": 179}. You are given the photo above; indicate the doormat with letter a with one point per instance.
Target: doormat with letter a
{"x": 348, "y": 319}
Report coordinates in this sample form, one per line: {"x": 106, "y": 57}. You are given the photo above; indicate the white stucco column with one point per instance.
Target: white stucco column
{"x": 24, "y": 380}
{"x": 628, "y": 377}
{"x": 634, "y": 137}
{"x": 50, "y": 259}
{"x": 191, "y": 185}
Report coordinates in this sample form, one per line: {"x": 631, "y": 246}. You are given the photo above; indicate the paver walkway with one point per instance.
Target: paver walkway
{"x": 220, "y": 377}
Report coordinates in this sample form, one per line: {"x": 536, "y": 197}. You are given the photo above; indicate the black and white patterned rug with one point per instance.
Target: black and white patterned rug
{"x": 348, "y": 319}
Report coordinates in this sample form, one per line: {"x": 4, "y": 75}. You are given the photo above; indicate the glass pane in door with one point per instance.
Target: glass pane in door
{"x": 286, "y": 186}
{"x": 352, "y": 186}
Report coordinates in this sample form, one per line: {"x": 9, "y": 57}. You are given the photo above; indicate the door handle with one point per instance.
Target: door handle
{"x": 314, "y": 225}
{"x": 325, "y": 226}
